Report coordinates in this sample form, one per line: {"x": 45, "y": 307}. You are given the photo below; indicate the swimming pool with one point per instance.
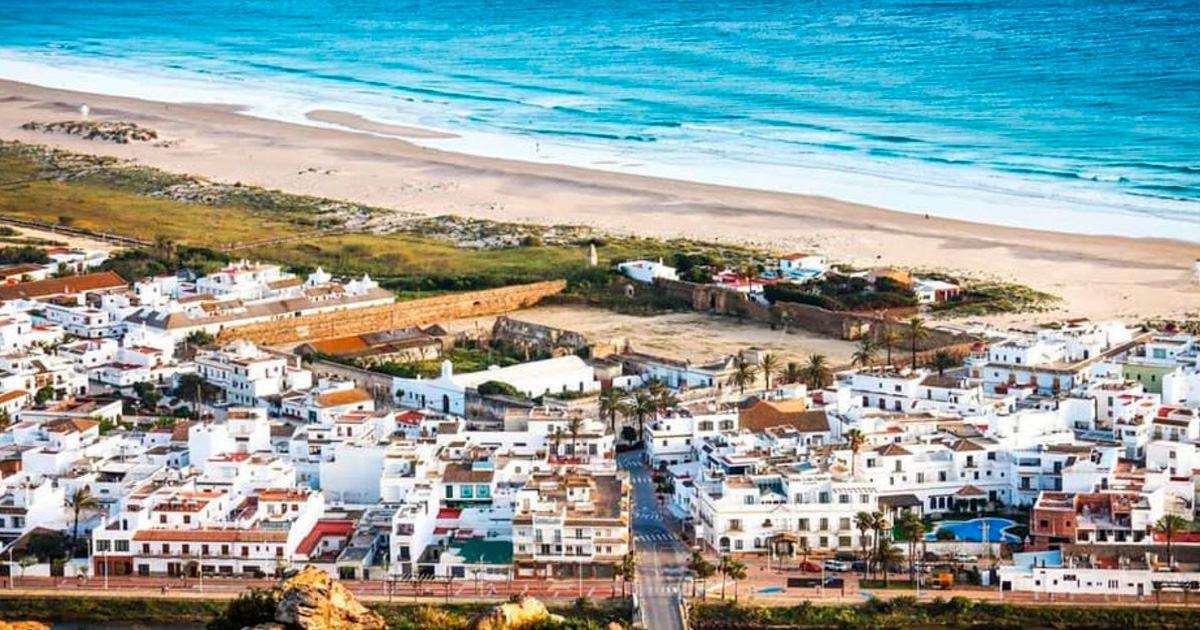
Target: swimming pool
{"x": 770, "y": 590}
{"x": 972, "y": 530}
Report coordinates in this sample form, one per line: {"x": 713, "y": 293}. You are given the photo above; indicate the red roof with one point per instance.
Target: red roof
{"x": 449, "y": 513}
{"x": 321, "y": 530}
{"x": 410, "y": 417}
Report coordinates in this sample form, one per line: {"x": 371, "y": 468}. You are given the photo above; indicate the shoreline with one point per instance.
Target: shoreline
{"x": 1097, "y": 276}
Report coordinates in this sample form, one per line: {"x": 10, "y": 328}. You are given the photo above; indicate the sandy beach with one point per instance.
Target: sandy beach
{"x": 1098, "y": 277}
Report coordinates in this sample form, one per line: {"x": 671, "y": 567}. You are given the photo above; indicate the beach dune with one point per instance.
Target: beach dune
{"x": 1098, "y": 277}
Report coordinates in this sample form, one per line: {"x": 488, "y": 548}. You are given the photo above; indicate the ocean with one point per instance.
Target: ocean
{"x": 1072, "y": 115}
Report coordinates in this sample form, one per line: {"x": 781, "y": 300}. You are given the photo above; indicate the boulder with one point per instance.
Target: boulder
{"x": 23, "y": 625}
{"x": 514, "y": 616}
{"x": 312, "y": 600}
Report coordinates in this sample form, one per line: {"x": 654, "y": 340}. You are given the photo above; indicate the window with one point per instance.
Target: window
{"x": 824, "y": 524}
{"x": 122, "y": 545}
{"x": 843, "y": 498}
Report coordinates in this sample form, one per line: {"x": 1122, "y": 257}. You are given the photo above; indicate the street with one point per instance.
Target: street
{"x": 661, "y": 556}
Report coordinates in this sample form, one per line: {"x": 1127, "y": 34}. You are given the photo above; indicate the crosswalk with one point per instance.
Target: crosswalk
{"x": 648, "y": 514}
{"x": 660, "y": 590}
{"x": 639, "y": 478}
{"x": 654, "y": 537}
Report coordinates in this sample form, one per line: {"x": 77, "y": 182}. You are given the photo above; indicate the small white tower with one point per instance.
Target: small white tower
{"x": 594, "y": 258}
{"x": 1196, "y": 271}
{"x": 84, "y": 110}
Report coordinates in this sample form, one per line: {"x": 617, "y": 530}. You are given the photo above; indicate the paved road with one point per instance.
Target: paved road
{"x": 662, "y": 557}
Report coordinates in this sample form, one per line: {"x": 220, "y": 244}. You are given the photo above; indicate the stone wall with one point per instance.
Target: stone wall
{"x": 836, "y": 324}
{"x": 379, "y": 384}
{"x": 537, "y": 338}
{"x": 391, "y": 316}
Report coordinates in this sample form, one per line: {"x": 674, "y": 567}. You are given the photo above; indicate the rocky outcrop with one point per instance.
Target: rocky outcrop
{"x": 312, "y": 600}
{"x": 23, "y": 625}
{"x": 513, "y": 616}
{"x": 118, "y": 132}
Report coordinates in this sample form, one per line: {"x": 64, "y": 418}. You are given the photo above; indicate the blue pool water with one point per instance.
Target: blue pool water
{"x": 770, "y": 590}
{"x": 972, "y": 530}
{"x": 1080, "y": 115}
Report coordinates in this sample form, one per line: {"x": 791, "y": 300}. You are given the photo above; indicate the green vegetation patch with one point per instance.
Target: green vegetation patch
{"x": 959, "y": 612}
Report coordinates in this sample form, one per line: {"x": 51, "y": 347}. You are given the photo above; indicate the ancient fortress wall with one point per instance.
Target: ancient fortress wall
{"x": 398, "y": 315}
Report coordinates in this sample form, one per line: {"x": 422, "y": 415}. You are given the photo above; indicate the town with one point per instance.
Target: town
{"x": 197, "y": 431}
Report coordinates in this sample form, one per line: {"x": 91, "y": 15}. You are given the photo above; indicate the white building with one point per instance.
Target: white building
{"x": 448, "y": 392}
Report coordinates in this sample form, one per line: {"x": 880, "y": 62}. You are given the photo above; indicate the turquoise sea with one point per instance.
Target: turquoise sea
{"x": 1077, "y": 115}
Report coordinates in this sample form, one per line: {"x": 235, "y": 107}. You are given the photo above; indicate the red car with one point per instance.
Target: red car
{"x": 810, "y": 567}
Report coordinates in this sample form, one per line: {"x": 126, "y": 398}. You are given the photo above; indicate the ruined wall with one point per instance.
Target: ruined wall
{"x": 536, "y": 337}
{"x": 840, "y": 325}
{"x": 390, "y": 316}
{"x": 379, "y": 384}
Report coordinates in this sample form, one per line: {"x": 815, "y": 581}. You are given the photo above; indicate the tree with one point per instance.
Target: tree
{"x": 644, "y": 406}
{"x": 792, "y": 373}
{"x": 251, "y": 608}
{"x": 574, "y": 426}
{"x": 915, "y": 332}
{"x": 769, "y": 364}
{"x": 889, "y": 338}
{"x": 913, "y": 529}
{"x": 80, "y": 501}
{"x": 855, "y": 439}
{"x": 864, "y": 522}
{"x": 148, "y": 395}
{"x": 817, "y": 373}
{"x": 498, "y": 388}
{"x": 723, "y": 568}
{"x": 556, "y": 440}
{"x": 887, "y": 555}
{"x": 5, "y": 419}
{"x": 1170, "y": 525}
{"x": 864, "y": 355}
{"x": 164, "y": 249}
{"x": 629, "y": 434}
{"x": 200, "y": 338}
{"x": 736, "y": 571}
{"x": 626, "y": 569}
{"x": 880, "y": 525}
{"x": 611, "y": 404}
{"x": 25, "y": 562}
{"x": 744, "y": 374}
{"x": 44, "y": 395}
{"x": 942, "y": 361}
{"x": 701, "y": 570}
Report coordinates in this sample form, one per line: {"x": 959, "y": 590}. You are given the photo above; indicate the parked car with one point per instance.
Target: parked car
{"x": 965, "y": 558}
{"x": 810, "y": 566}
{"x": 838, "y": 565}
{"x": 858, "y": 565}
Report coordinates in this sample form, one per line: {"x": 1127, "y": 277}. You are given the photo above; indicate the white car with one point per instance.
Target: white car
{"x": 839, "y": 566}
{"x": 965, "y": 558}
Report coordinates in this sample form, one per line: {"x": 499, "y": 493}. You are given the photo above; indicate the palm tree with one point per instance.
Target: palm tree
{"x": 888, "y": 555}
{"x": 744, "y": 373}
{"x": 855, "y": 439}
{"x": 817, "y": 373}
{"x": 723, "y": 568}
{"x": 915, "y": 332}
{"x": 889, "y": 338}
{"x": 864, "y": 522}
{"x": 80, "y": 501}
{"x": 769, "y": 363}
{"x": 644, "y": 406}
{"x": 1169, "y": 526}
{"x": 574, "y": 426}
{"x": 736, "y": 569}
{"x": 792, "y": 373}
{"x": 701, "y": 570}
{"x": 864, "y": 356}
{"x": 942, "y": 361}
{"x": 881, "y": 525}
{"x": 913, "y": 529}
{"x": 165, "y": 248}
{"x": 610, "y": 405}
{"x": 666, "y": 400}
{"x": 556, "y": 438}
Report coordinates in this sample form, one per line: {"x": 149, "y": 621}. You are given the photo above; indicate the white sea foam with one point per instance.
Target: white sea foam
{"x": 732, "y": 159}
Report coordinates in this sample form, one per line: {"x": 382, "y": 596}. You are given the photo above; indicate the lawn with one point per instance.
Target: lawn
{"x": 101, "y": 209}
